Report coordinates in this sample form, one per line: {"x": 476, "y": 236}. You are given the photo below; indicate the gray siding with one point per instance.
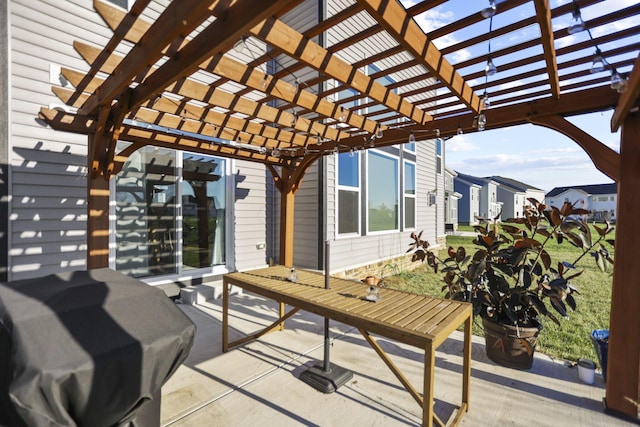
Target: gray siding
{"x": 47, "y": 169}
{"x": 250, "y": 215}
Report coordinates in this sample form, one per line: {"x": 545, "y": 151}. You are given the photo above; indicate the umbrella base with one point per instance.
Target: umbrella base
{"x": 326, "y": 381}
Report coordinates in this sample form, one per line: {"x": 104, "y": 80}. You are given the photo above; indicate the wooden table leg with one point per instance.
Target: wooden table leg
{"x": 466, "y": 363}
{"x": 427, "y": 397}
{"x": 281, "y": 316}
{"x": 225, "y": 316}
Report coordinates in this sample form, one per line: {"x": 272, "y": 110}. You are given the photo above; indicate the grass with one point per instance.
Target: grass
{"x": 570, "y": 341}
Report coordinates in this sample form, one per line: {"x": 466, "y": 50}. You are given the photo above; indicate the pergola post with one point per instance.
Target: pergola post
{"x": 97, "y": 221}
{"x": 623, "y": 372}
{"x": 287, "y": 208}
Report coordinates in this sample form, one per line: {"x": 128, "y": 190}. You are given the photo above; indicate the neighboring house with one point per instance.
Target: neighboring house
{"x": 164, "y": 202}
{"x": 488, "y": 207}
{"x": 451, "y": 198}
{"x": 514, "y": 196}
{"x": 600, "y": 199}
{"x": 469, "y": 202}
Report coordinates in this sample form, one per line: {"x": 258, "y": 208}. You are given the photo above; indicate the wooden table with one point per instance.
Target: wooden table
{"x": 418, "y": 320}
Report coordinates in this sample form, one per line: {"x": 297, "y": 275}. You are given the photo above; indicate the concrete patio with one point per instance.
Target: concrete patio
{"x": 258, "y": 383}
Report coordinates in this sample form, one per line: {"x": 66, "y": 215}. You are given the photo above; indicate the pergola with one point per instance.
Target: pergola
{"x": 170, "y": 82}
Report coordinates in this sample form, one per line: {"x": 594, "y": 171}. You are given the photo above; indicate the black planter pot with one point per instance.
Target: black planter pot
{"x": 510, "y": 346}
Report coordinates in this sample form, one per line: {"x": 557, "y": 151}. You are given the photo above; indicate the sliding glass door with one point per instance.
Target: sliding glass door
{"x": 170, "y": 213}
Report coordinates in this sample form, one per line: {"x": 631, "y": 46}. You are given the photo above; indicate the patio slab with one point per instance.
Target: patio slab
{"x": 258, "y": 382}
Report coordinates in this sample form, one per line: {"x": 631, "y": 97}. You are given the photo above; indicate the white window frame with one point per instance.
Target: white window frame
{"x": 368, "y": 192}
{"x": 406, "y": 195}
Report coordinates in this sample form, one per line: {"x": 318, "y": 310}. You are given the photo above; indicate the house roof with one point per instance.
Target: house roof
{"x": 517, "y": 185}
{"x": 474, "y": 179}
{"x": 611, "y": 188}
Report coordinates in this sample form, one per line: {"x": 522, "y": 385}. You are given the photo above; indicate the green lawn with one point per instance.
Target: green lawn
{"x": 570, "y": 341}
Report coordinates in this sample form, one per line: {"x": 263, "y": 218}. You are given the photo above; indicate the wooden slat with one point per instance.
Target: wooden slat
{"x": 402, "y": 27}
{"x": 178, "y": 19}
{"x": 203, "y": 93}
{"x": 245, "y": 74}
{"x": 297, "y": 46}
{"x": 543, "y": 13}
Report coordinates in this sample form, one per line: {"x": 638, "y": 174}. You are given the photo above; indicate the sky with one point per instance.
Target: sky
{"x": 535, "y": 155}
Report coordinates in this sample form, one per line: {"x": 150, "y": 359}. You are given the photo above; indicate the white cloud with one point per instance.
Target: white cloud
{"x": 459, "y": 144}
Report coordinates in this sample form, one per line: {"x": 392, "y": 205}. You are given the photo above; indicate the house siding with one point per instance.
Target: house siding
{"x": 48, "y": 174}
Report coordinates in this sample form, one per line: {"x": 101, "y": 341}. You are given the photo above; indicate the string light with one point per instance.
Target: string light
{"x": 459, "y": 131}
{"x": 577, "y": 24}
{"x": 378, "y": 131}
{"x": 240, "y": 44}
{"x": 412, "y": 137}
{"x": 598, "y": 64}
{"x": 342, "y": 116}
{"x": 490, "y": 10}
{"x": 264, "y": 82}
{"x": 294, "y": 119}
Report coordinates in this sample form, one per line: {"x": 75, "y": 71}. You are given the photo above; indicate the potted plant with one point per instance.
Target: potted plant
{"x": 511, "y": 279}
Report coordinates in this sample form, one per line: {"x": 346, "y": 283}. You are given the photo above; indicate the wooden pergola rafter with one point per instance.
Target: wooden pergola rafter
{"x": 176, "y": 82}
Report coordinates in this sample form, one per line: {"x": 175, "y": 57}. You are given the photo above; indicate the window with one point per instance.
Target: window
{"x": 409, "y": 195}
{"x": 153, "y": 187}
{"x": 203, "y": 211}
{"x": 383, "y": 197}
{"x": 348, "y": 182}
{"x": 348, "y": 193}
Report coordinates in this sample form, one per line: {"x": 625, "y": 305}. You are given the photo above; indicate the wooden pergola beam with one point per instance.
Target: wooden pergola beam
{"x": 543, "y": 13}
{"x": 604, "y": 158}
{"x": 203, "y": 93}
{"x": 294, "y": 44}
{"x": 402, "y": 27}
{"x": 177, "y": 20}
{"x": 231, "y": 70}
{"x": 218, "y": 37}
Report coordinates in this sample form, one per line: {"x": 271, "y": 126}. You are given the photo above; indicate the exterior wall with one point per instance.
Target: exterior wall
{"x": 47, "y": 169}
{"x": 579, "y": 197}
{"x": 250, "y": 216}
{"x": 534, "y": 194}
{"x": 489, "y": 206}
{"x": 512, "y": 202}
{"x": 469, "y": 203}
{"x": 4, "y": 139}
{"x": 602, "y": 206}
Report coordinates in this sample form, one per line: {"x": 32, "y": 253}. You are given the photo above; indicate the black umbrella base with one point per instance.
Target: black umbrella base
{"x": 326, "y": 381}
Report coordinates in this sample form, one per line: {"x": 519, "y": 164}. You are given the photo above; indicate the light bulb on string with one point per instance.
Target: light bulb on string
{"x": 412, "y": 137}
{"x": 490, "y": 10}
{"x": 490, "y": 69}
{"x": 616, "y": 79}
{"x": 265, "y": 82}
{"x": 378, "y": 131}
{"x": 482, "y": 121}
{"x": 459, "y": 131}
{"x": 240, "y": 44}
{"x": 351, "y": 152}
{"x": 342, "y": 116}
{"x": 598, "y": 64}
{"x": 577, "y": 24}
{"x": 294, "y": 119}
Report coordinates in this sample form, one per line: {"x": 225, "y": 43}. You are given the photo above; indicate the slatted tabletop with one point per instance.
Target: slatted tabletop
{"x": 417, "y": 320}
{"x": 406, "y": 317}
